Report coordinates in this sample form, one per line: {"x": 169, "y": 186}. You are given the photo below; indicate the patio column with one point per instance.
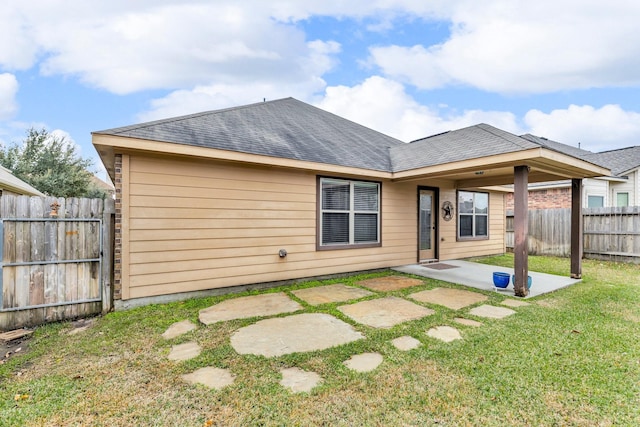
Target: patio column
{"x": 576, "y": 229}
{"x": 521, "y": 229}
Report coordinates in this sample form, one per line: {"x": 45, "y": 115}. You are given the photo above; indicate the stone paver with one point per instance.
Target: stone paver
{"x": 185, "y": 351}
{"x": 385, "y": 312}
{"x": 454, "y": 299}
{"x": 299, "y": 381}
{"x": 491, "y": 311}
{"x": 467, "y": 322}
{"x": 215, "y": 378}
{"x": 406, "y": 343}
{"x": 444, "y": 333}
{"x": 364, "y": 362}
{"x": 330, "y": 293}
{"x": 390, "y": 283}
{"x": 292, "y": 334}
{"x": 514, "y": 303}
{"x": 251, "y": 306}
{"x": 177, "y": 329}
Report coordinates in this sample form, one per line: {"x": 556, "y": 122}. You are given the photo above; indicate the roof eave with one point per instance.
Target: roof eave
{"x": 547, "y": 165}
{"x": 109, "y": 145}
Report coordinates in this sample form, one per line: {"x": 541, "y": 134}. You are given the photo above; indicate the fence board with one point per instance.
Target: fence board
{"x": 609, "y": 233}
{"x": 63, "y": 270}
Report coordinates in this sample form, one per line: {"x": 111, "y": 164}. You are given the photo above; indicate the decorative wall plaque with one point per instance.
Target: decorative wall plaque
{"x": 447, "y": 210}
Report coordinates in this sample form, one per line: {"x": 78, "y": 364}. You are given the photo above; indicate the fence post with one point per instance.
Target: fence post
{"x": 577, "y": 236}
{"x": 107, "y": 254}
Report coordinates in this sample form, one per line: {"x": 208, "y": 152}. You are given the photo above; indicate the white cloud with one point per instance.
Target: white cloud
{"x": 221, "y": 95}
{"x": 596, "y": 129}
{"x": 125, "y": 47}
{"x": 525, "y": 47}
{"x": 8, "y": 91}
{"x": 384, "y": 105}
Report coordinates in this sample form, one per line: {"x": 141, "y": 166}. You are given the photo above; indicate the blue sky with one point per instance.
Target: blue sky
{"x": 568, "y": 70}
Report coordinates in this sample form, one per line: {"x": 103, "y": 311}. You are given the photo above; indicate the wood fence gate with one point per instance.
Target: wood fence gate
{"x": 55, "y": 259}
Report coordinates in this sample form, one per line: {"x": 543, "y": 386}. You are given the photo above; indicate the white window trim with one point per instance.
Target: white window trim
{"x": 473, "y": 215}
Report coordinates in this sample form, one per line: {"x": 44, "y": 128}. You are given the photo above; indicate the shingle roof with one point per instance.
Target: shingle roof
{"x": 291, "y": 129}
{"x": 558, "y": 146}
{"x": 285, "y": 128}
{"x": 468, "y": 143}
{"x": 619, "y": 161}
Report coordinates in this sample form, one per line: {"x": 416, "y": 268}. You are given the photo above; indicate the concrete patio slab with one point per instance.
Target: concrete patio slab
{"x": 491, "y": 311}
{"x": 385, "y": 312}
{"x": 514, "y": 303}
{"x": 251, "y": 306}
{"x": 364, "y": 362}
{"x": 454, "y": 299}
{"x": 293, "y": 334}
{"x": 177, "y": 329}
{"x": 467, "y": 322}
{"x": 330, "y": 293}
{"x": 480, "y": 276}
{"x": 390, "y": 283}
{"x": 185, "y": 351}
{"x": 299, "y": 381}
{"x": 444, "y": 333}
{"x": 215, "y": 378}
{"x": 406, "y": 343}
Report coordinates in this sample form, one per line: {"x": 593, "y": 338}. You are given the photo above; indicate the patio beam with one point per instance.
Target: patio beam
{"x": 521, "y": 229}
{"x": 576, "y": 229}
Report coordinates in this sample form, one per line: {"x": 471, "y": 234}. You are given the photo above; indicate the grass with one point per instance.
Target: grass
{"x": 570, "y": 358}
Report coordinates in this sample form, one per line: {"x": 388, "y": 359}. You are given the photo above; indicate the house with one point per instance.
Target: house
{"x": 10, "y": 184}
{"x": 621, "y": 188}
{"x": 282, "y": 190}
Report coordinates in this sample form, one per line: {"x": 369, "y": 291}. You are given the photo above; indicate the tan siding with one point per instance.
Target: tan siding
{"x": 450, "y": 248}
{"x": 201, "y": 225}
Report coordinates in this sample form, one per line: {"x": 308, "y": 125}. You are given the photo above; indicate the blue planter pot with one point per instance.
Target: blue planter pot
{"x": 500, "y": 280}
{"x": 513, "y": 280}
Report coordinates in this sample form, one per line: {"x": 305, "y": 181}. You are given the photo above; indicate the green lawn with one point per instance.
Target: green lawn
{"x": 570, "y": 358}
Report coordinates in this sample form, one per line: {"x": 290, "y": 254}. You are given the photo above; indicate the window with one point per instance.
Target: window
{"x": 595, "y": 201}
{"x": 349, "y": 213}
{"x": 473, "y": 215}
{"x": 622, "y": 199}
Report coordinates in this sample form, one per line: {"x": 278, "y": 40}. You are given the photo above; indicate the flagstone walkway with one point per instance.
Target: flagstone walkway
{"x": 304, "y": 332}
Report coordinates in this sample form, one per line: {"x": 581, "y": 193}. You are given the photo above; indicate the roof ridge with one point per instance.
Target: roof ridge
{"x": 617, "y": 149}
{"x": 484, "y": 127}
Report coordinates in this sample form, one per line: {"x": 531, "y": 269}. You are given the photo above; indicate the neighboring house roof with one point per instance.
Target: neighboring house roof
{"x": 298, "y": 132}
{"x": 103, "y": 185}
{"x": 8, "y": 181}
{"x": 620, "y": 161}
{"x": 285, "y": 128}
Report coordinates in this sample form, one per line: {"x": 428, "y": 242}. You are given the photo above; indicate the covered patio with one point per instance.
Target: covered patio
{"x": 539, "y": 160}
{"x": 480, "y": 276}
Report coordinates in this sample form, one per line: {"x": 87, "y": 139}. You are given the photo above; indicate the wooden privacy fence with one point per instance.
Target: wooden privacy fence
{"x": 56, "y": 259}
{"x": 609, "y": 233}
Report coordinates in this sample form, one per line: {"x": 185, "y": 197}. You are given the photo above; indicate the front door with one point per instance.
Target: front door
{"x": 427, "y": 225}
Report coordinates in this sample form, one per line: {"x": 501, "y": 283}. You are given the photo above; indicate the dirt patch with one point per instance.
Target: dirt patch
{"x": 13, "y": 348}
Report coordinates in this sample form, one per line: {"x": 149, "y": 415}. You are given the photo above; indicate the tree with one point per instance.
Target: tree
{"x": 51, "y": 165}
